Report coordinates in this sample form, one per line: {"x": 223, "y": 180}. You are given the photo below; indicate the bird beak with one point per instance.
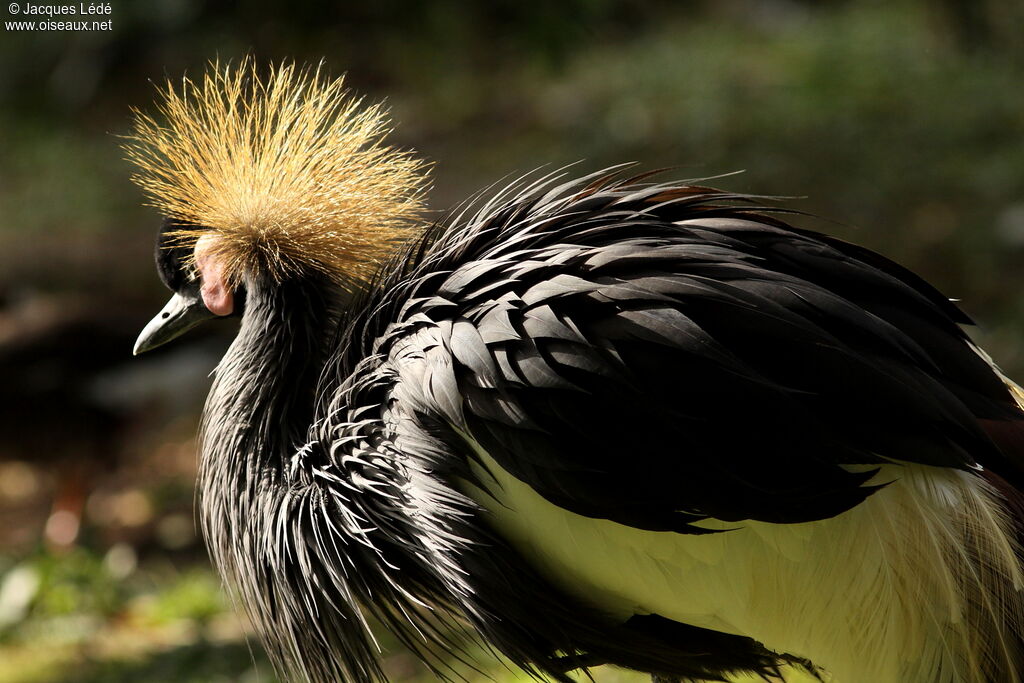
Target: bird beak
{"x": 182, "y": 313}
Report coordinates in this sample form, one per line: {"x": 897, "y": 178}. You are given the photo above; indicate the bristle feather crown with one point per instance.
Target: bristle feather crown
{"x": 289, "y": 172}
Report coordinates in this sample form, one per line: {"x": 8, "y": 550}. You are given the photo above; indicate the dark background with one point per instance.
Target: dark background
{"x": 901, "y": 122}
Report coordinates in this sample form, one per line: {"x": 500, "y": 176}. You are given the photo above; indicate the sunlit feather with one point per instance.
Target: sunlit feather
{"x": 288, "y": 170}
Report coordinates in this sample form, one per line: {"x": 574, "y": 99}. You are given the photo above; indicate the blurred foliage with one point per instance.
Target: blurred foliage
{"x": 88, "y": 622}
{"x": 75, "y": 584}
{"x": 901, "y": 119}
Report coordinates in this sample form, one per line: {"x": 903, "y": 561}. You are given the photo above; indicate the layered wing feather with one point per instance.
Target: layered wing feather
{"x": 659, "y": 355}
{"x": 656, "y": 355}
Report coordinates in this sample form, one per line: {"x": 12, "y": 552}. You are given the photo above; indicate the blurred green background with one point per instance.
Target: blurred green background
{"x": 900, "y": 121}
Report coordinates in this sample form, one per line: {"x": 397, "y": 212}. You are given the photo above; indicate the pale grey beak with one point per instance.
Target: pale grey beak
{"x": 182, "y": 313}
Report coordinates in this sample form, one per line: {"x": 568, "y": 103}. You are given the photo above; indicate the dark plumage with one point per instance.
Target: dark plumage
{"x": 612, "y": 421}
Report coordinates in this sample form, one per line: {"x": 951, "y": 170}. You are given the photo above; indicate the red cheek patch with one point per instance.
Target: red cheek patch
{"x": 217, "y": 297}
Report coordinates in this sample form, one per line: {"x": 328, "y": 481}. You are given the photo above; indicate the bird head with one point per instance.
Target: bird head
{"x": 266, "y": 178}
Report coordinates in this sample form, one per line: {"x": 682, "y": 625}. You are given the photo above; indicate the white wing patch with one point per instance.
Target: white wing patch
{"x": 919, "y": 584}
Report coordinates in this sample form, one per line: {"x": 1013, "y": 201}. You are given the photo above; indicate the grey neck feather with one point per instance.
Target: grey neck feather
{"x": 262, "y": 399}
{"x": 256, "y": 418}
{"x": 304, "y": 533}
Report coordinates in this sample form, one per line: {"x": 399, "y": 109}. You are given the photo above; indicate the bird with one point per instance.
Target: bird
{"x": 585, "y": 418}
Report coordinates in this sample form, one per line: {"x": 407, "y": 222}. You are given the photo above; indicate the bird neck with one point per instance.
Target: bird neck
{"x": 291, "y": 528}
{"x": 263, "y": 396}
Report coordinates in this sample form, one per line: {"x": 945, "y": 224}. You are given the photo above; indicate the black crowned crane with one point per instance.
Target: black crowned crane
{"x": 602, "y": 420}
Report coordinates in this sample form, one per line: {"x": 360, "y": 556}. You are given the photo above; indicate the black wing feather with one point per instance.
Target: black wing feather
{"x": 657, "y": 355}
{"x": 660, "y": 354}
{"x": 659, "y": 369}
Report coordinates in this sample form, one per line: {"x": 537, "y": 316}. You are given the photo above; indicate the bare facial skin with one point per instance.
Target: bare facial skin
{"x": 217, "y": 297}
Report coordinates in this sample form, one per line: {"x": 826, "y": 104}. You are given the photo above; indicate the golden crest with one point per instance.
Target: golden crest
{"x": 289, "y": 172}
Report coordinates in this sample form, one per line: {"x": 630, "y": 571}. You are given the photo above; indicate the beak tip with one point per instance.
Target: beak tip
{"x": 179, "y": 315}
{"x": 142, "y": 344}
